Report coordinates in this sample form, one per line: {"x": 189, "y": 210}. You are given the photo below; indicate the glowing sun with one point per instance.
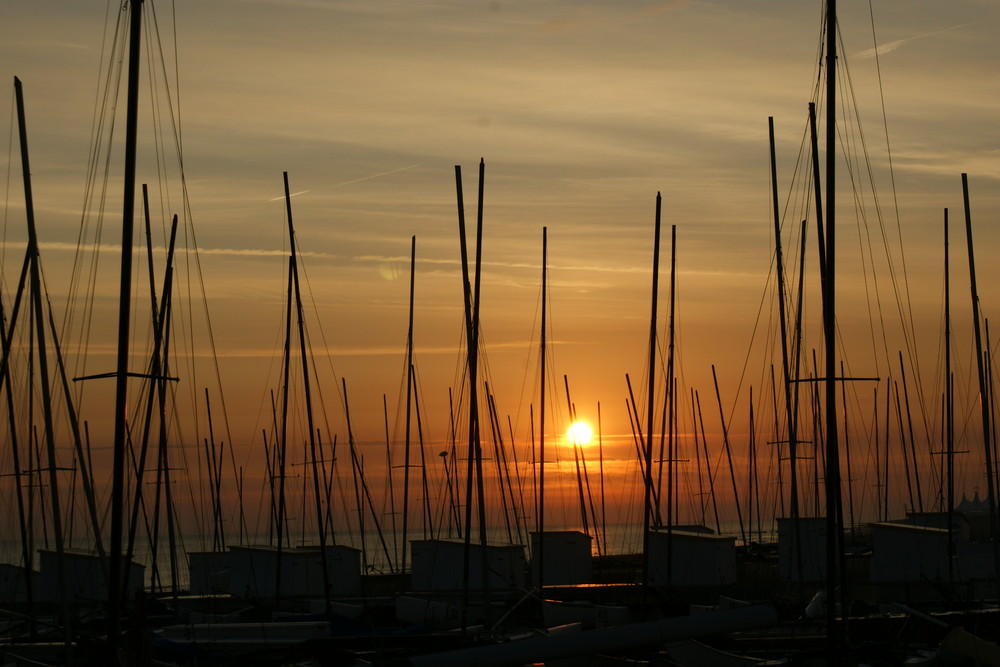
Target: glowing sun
{"x": 579, "y": 433}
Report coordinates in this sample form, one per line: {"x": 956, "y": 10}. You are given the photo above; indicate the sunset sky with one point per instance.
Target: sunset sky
{"x": 583, "y": 111}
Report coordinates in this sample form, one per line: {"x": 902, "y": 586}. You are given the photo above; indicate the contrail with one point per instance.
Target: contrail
{"x": 889, "y": 47}
{"x": 356, "y": 180}
{"x": 367, "y": 178}
{"x": 294, "y": 194}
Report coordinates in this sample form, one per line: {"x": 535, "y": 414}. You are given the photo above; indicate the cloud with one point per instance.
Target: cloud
{"x": 294, "y": 194}
{"x": 368, "y": 178}
{"x": 352, "y": 181}
{"x": 889, "y": 47}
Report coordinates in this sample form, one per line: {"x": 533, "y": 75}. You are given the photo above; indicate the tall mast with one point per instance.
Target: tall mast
{"x": 949, "y": 409}
{"x": 541, "y": 422}
{"x": 409, "y": 404}
{"x": 473, "y": 378}
{"x": 834, "y": 529}
{"x": 647, "y": 507}
{"x": 470, "y": 343}
{"x": 475, "y": 464}
{"x": 983, "y": 403}
{"x": 785, "y": 366}
{"x": 281, "y": 443}
{"x": 115, "y": 582}
{"x": 43, "y": 368}
{"x": 670, "y": 402}
{"x": 313, "y": 454}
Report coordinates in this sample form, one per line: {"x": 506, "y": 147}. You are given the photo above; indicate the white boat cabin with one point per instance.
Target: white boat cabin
{"x": 567, "y": 557}
{"x": 697, "y": 558}
{"x": 811, "y": 549}
{"x": 916, "y": 550}
{"x": 208, "y": 572}
{"x": 86, "y": 577}
{"x": 253, "y": 571}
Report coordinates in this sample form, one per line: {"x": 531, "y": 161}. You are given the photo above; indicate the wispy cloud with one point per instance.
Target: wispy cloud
{"x": 889, "y": 47}
{"x": 294, "y": 194}
{"x": 368, "y": 178}
{"x": 352, "y": 181}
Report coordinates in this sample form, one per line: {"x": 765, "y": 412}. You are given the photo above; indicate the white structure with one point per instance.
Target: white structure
{"x": 811, "y": 548}
{"x": 439, "y": 565}
{"x": 916, "y": 550}
{"x": 253, "y": 571}
{"x": 567, "y": 557}
{"x": 906, "y": 552}
{"x": 696, "y": 559}
{"x": 85, "y": 577}
{"x": 939, "y": 520}
{"x": 344, "y": 567}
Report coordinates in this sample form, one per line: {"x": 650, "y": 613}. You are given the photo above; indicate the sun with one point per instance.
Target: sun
{"x": 579, "y": 433}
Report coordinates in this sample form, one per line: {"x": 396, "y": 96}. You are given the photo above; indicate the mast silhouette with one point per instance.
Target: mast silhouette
{"x": 409, "y": 410}
{"x": 541, "y": 422}
{"x": 836, "y": 629}
{"x": 647, "y": 507}
{"x": 984, "y": 403}
{"x": 34, "y": 277}
{"x": 949, "y": 410}
{"x": 115, "y": 583}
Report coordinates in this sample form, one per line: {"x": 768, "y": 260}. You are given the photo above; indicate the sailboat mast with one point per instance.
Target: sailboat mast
{"x": 124, "y": 317}
{"x": 949, "y": 410}
{"x": 43, "y": 368}
{"x": 984, "y": 404}
{"x": 303, "y": 354}
{"x": 473, "y": 379}
{"x": 541, "y": 421}
{"x": 671, "y": 400}
{"x": 648, "y": 449}
{"x": 475, "y": 465}
{"x": 785, "y": 366}
{"x": 409, "y": 408}
{"x": 834, "y": 529}
{"x": 470, "y": 343}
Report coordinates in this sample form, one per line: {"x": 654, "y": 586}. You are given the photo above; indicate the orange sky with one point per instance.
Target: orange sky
{"x": 582, "y": 111}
